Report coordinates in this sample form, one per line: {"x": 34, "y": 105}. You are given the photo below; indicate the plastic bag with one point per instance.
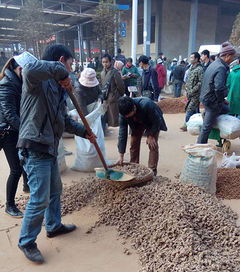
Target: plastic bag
{"x": 230, "y": 161}
{"x": 229, "y": 126}
{"x": 200, "y": 167}
{"x": 86, "y": 155}
{"x": 61, "y": 157}
{"x": 194, "y": 124}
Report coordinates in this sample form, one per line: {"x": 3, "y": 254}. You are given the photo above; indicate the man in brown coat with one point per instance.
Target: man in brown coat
{"x": 113, "y": 88}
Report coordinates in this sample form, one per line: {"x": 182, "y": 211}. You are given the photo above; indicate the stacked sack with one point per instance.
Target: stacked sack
{"x": 228, "y": 125}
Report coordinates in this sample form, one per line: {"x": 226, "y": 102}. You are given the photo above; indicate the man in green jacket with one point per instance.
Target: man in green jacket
{"x": 233, "y": 84}
{"x": 130, "y": 75}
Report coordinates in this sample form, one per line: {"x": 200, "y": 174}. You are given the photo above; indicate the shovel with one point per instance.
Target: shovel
{"x": 105, "y": 172}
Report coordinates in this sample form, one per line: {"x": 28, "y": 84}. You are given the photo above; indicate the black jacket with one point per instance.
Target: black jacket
{"x": 205, "y": 66}
{"x": 214, "y": 89}
{"x": 148, "y": 116}
{"x": 10, "y": 96}
{"x": 43, "y": 113}
{"x": 86, "y": 96}
{"x": 178, "y": 73}
{"x": 150, "y": 80}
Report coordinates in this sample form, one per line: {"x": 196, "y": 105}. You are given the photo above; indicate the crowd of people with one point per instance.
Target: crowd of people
{"x": 34, "y": 107}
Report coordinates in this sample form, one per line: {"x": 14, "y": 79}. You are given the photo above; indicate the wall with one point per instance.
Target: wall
{"x": 207, "y": 23}
{"x": 224, "y": 26}
{"x": 175, "y": 28}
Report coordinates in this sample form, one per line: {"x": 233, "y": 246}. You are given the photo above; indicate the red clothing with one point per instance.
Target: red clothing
{"x": 162, "y": 75}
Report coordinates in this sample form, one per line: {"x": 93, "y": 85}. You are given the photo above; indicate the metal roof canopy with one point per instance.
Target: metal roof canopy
{"x": 61, "y": 15}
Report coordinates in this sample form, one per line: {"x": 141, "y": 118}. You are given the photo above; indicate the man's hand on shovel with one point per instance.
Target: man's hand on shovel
{"x": 92, "y": 138}
{"x": 66, "y": 83}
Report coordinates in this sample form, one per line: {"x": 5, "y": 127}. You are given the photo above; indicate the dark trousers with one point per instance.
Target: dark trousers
{"x": 156, "y": 94}
{"x": 177, "y": 88}
{"x": 191, "y": 113}
{"x": 209, "y": 121}
{"x": 136, "y": 137}
{"x": 8, "y": 144}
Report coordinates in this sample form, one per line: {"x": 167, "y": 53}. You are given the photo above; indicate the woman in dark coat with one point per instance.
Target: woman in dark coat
{"x": 10, "y": 96}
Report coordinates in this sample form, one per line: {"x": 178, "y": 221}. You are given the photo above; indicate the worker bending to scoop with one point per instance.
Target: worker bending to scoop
{"x": 141, "y": 115}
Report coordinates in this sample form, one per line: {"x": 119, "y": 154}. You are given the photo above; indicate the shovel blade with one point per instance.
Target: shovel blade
{"x": 113, "y": 174}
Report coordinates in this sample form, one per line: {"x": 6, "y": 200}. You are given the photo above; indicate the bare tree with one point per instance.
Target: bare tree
{"x": 106, "y": 24}
{"x": 235, "y": 36}
{"x": 32, "y": 25}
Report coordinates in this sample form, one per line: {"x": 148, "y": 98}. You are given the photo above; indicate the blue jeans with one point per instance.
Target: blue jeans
{"x": 190, "y": 113}
{"x": 178, "y": 88}
{"x": 209, "y": 121}
{"x": 45, "y": 189}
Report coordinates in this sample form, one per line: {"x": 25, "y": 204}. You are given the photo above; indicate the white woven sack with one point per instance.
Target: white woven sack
{"x": 200, "y": 167}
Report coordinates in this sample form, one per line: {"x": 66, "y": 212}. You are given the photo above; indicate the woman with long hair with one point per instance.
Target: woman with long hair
{"x": 10, "y": 96}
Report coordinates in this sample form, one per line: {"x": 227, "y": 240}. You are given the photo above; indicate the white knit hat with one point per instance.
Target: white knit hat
{"x": 88, "y": 78}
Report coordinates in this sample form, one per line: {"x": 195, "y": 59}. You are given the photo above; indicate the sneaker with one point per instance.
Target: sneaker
{"x": 32, "y": 253}
{"x": 13, "y": 211}
{"x": 183, "y": 128}
{"x": 62, "y": 230}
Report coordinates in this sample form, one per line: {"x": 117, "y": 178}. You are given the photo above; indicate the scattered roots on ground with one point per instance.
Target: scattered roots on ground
{"x": 173, "y": 227}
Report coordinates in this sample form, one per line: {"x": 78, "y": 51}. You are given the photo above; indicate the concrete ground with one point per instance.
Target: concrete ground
{"x": 102, "y": 250}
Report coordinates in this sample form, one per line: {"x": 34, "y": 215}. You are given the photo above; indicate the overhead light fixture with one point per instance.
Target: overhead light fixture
{"x": 66, "y": 13}
{"x": 10, "y": 28}
{"x": 54, "y": 24}
{"x": 8, "y": 35}
{"x": 9, "y": 6}
{"x": 6, "y": 19}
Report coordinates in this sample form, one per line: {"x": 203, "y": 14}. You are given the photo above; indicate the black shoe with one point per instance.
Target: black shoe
{"x": 13, "y": 211}
{"x": 62, "y": 230}
{"x": 32, "y": 253}
{"x": 26, "y": 189}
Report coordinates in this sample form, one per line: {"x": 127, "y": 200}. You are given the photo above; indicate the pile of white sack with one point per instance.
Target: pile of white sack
{"x": 228, "y": 125}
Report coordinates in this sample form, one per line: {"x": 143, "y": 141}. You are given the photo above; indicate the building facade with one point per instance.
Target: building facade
{"x": 178, "y": 27}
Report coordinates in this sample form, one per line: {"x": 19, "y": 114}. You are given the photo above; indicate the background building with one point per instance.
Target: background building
{"x": 172, "y": 23}
{"x": 174, "y": 27}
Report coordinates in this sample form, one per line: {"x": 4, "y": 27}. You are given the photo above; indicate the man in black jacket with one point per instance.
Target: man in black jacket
{"x": 142, "y": 115}
{"x": 214, "y": 90}
{"x": 205, "y": 59}
{"x": 177, "y": 77}
{"x": 43, "y": 118}
{"x": 150, "y": 86}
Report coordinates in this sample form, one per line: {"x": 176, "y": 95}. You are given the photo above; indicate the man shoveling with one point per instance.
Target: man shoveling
{"x": 43, "y": 119}
{"x": 142, "y": 115}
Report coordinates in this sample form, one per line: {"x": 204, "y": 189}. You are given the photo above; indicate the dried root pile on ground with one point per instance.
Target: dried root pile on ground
{"x": 173, "y": 105}
{"x": 228, "y": 183}
{"x": 174, "y": 227}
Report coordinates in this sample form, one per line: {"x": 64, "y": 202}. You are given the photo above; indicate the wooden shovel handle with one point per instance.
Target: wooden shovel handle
{"x": 85, "y": 123}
